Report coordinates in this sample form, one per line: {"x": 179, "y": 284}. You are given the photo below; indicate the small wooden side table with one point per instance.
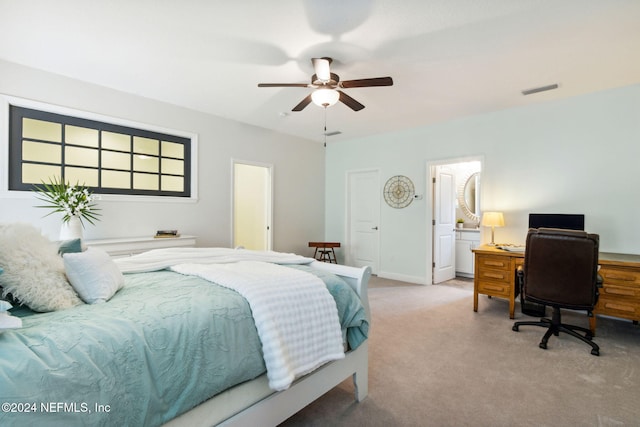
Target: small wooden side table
{"x": 325, "y": 251}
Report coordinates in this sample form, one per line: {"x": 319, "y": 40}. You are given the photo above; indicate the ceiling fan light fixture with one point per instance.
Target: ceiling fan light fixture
{"x": 327, "y": 87}
{"x": 325, "y": 97}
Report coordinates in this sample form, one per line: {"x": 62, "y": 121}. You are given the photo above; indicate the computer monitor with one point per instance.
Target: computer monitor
{"x": 565, "y": 221}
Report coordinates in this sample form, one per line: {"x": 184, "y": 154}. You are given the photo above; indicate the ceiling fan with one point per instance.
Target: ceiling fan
{"x": 327, "y": 86}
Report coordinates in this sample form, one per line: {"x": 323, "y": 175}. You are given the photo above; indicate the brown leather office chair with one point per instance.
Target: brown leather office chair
{"x": 561, "y": 270}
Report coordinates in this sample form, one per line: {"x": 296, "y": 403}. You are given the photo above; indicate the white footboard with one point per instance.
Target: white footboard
{"x": 357, "y": 278}
{"x": 279, "y": 406}
{"x": 272, "y": 408}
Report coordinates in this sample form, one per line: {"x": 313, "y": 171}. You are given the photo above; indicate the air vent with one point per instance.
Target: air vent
{"x": 540, "y": 89}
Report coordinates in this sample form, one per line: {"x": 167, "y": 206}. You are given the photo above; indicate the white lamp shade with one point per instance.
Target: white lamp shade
{"x": 492, "y": 219}
{"x": 325, "y": 97}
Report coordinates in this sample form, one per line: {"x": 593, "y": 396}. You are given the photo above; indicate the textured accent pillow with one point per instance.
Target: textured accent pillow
{"x": 33, "y": 270}
{"x": 93, "y": 274}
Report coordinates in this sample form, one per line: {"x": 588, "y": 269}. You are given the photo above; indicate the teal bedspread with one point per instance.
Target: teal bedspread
{"x": 162, "y": 345}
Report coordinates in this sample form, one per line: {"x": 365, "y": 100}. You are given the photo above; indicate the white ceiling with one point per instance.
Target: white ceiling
{"x": 448, "y": 58}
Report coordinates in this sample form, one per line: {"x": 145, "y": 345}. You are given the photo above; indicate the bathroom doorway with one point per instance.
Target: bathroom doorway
{"x": 455, "y": 199}
{"x": 252, "y": 205}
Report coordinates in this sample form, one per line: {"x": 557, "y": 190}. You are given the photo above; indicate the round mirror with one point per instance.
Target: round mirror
{"x": 468, "y": 197}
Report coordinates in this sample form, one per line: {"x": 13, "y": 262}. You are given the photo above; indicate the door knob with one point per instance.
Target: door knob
{"x": 374, "y": 228}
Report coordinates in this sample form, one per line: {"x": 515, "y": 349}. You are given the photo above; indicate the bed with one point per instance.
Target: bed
{"x": 172, "y": 348}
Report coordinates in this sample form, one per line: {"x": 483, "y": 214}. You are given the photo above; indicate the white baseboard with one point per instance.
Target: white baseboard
{"x": 402, "y": 277}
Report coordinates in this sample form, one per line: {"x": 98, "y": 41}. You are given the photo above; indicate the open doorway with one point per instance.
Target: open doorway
{"x": 455, "y": 217}
{"x": 252, "y": 206}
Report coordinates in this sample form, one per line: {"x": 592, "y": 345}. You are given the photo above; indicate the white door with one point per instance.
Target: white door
{"x": 363, "y": 219}
{"x": 444, "y": 235}
{"x": 251, "y": 206}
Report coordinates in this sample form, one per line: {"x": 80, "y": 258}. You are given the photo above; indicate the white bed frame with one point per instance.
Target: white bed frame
{"x": 253, "y": 403}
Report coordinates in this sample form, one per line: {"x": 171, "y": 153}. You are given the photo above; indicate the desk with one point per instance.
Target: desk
{"x": 495, "y": 275}
{"x": 325, "y": 251}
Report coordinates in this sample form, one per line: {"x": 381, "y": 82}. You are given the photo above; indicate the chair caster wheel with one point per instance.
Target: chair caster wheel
{"x": 543, "y": 345}
{"x": 595, "y": 352}
{"x": 515, "y": 328}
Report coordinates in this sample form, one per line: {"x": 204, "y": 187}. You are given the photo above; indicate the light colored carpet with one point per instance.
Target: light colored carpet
{"x": 434, "y": 362}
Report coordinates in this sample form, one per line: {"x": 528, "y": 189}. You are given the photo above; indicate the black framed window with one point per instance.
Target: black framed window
{"x": 106, "y": 157}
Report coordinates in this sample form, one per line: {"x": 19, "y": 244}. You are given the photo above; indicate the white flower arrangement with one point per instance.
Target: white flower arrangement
{"x": 71, "y": 200}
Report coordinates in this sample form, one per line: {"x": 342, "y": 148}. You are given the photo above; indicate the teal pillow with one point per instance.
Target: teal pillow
{"x": 70, "y": 246}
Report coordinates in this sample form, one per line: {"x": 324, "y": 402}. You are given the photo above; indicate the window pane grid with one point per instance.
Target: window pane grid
{"x": 106, "y": 157}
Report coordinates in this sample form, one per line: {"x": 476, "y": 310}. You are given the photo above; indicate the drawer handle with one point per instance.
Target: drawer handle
{"x": 494, "y": 263}
{"x": 619, "y": 307}
{"x": 493, "y": 288}
{"x": 616, "y": 277}
{"x": 494, "y": 275}
{"x": 617, "y": 291}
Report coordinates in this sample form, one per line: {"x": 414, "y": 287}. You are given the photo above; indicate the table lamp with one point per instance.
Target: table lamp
{"x": 492, "y": 219}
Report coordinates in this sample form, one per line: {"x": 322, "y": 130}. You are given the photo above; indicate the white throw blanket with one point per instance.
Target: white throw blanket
{"x": 159, "y": 259}
{"x": 295, "y": 315}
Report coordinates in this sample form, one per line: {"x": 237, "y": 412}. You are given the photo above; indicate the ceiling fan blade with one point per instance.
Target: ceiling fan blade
{"x": 306, "y": 101}
{"x": 321, "y": 67}
{"x": 350, "y": 102}
{"x": 284, "y": 85}
{"x": 376, "y": 81}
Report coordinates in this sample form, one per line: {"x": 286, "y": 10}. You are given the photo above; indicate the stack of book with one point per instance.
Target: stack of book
{"x": 166, "y": 233}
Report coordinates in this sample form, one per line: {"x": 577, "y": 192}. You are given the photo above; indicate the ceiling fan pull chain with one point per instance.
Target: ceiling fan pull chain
{"x": 325, "y": 127}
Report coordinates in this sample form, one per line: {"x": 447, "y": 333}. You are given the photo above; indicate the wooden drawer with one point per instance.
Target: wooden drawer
{"x": 628, "y": 293}
{"x": 488, "y": 262}
{"x": 620, "y": 276}
{"x": 500, "y": 289}
{"x": 495, "y": 275}
{"x": 618, "y": 307}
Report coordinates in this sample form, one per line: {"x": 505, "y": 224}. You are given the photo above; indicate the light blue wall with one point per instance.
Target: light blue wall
{"x": 577, "y": 155}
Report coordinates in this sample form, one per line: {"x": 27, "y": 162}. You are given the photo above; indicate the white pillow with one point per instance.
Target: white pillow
{"x": 93, "y": 274}
{"x": 33, "y": 270}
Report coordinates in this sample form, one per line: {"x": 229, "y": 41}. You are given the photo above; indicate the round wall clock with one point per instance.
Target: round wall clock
{"x": 398, "y": 191}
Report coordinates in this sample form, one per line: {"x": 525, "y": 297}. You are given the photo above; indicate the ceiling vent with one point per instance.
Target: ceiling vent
{"x": 540, "y": 89}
